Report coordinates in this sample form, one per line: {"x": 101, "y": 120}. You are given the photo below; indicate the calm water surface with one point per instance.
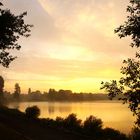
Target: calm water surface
{"x": 113, "y": 114}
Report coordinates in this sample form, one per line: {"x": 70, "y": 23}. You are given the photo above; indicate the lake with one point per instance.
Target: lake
{"x": 113, "y": 114}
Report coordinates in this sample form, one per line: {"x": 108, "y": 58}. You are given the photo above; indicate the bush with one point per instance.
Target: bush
{"x": 92, "y": 125}
{"x": 59, "y": 122}
{"x": 47, "y": 122}
{"x": 32, "y": 112}
{"x": 111, "y": 134}
{"x": 71, "y": 122}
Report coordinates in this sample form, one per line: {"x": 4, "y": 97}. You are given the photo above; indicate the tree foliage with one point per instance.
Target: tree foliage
{"x": 131, "y": 26}
{"x": 135, "y": 134}
{"x": 129, "y": 84}
{"x": 12, "y": 27}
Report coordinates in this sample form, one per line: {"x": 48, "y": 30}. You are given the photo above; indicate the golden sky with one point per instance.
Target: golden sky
{"x": 72, "y": 46}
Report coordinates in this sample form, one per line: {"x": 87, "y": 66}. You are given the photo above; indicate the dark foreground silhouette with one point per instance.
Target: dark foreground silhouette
{"x": 15, "y": 125}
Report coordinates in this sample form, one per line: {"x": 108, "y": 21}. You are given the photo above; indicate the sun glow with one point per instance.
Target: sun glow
{"x": 72, "y": 45}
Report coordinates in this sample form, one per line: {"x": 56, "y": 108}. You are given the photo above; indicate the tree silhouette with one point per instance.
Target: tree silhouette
{"x": 29, "y": 91}
{"x": 112, "y": 134}
{"x": 12, "y": 27}
{"x": 92, "y": 125}
{"x": 1, "y": 89}
{"x": 1, "y": 84}
{"x": 71, "y": 122}
{"x": 17, "y": 91}
{"x": 135, "y": 134}
{"x": 131, "y": 27}
{"x": 129, "y": 85}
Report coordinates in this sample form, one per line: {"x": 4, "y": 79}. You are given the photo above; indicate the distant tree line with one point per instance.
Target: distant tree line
{"x": 53, "y": 95}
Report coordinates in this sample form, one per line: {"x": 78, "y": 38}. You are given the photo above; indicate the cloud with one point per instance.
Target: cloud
{"x": 89, "y": 23}
{"x": 72, "y": 43}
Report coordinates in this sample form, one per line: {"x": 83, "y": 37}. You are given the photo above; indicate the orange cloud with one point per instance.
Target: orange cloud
{"x": 73, "y": 45}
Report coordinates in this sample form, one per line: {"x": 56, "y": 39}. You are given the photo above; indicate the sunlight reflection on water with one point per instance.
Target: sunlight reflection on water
{"x": 113, "y": 114}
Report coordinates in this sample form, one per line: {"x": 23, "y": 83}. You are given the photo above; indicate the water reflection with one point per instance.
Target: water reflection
{"x": 114, "y": 115}
{"x": 56, "y": 107}
{"x": 51, "y": 109}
